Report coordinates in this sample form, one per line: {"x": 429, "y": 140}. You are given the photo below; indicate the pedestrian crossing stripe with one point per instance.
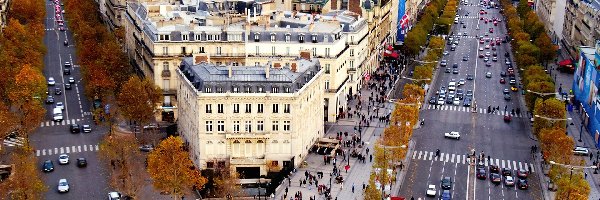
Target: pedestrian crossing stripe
{"x": 463, "y": 159}
{"x": 64, "y": 122}
{"x": 66, "y": 150}
{"x": 17, "y": 141}
{"x": 469, "y": 109}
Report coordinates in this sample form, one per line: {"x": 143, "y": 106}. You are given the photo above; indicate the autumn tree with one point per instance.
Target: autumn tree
{"x": 171, "y": 169}
{"x": 548, "y": 51}
{"x": 138, "y": 100}
{"x": 26, "y": 96}
{"x": 26, "y": 181}
{"x": 371, "y": 192}
{"x": 123, "y": 160}
{"x": 8, "y": 121}
{"x": 554, "y": 141}
{"x": 221, "y": 181}
{"x": 573, "y": 187}
{"x": 551, "y": 113}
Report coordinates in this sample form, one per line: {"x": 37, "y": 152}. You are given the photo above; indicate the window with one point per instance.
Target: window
{"x": 213, "y": 37}
{"x": 248, "y": 108}
{"x": 286, "y": 89}
{"x": 165, "y": 50}
{"x": 166, "y": 85}
{"x": 327, "y": 85}
{"x": 260, "y": 108}
{"x": 234, "y": 37}
{"x": 287, "y": 37}
{"x": 275, "y": 108}
{"x": 248, "y": 127}
{"x": 314, "y": 52}
{"x": 257, "y": 50}
{"x": 260, "y": 126}
{"x": 327, "y": 51}
{"x": 256, "y": 37}
{"x": 185, "y": 37}
{"x": 286, "y": 108}
{"x": 275, "y": 126}
{"x": 248, "y": 89}
{"x": 236, "y": 108}
{"x": 208, "y": 89}
{"x": 208, "y": 108}
{"x": 236, "y": 126}
{"x": 219, "y": 50}
{"x": 236, "y": 89}
{"x": 210, "y": 165}
{"x": 287, "y": 51}
{"x": 260, "y": 89}
{"x": 220, "y": 126}
{"x": 352, "y": 64}
{"x": 273, "y": 50}
{"x": 219, "y": 90}
{"x": 327, "y": 68}
{"x": 273, "y": 37}
{"x": 220, "y": 108}
{"x": 286, "y": 125}
{"x": 165, "y": 66}
{"x": 201, "y": 49}
{"x": 198, "y": 37}
{"x": 274, "y": 89}
{"x": 209, "y": 126}
{"x": 164, "y": 37}
{"x": 314, "y": 37}
{"x": 183, "y": 51}
{"x": 301, "y": 38}
{"x": 351, "y": 52}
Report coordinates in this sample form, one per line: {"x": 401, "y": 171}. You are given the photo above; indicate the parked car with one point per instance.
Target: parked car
{"x": 147, "y": 148}
{"x": 453, "y": 134}
{"x": 582, "y": 151}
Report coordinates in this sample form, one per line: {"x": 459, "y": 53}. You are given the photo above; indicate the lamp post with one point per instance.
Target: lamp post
{"x": 580, "y": 131}
{"x": 571, "y": 168}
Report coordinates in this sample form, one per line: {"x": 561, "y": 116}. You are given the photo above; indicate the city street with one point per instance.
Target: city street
{"x": 507, "y": 143}
{"x": 54, "y": 138}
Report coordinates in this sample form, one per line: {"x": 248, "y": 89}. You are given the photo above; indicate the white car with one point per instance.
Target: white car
{"x": 51, "y": 81}
{"x": 582, "y": 151}
{"x": 453, "y": 134}
{"x": 114, "y": 196}
{"x": 431, "y": 190}
{"x": 456, "y": 101}
{"x": 63, "y": 159}
{"x": 461, "y": 81}
{"x": 441, "y": 101}
{"x": 63, "y": 185}
{"x": 71, "y": 80}
{"x": 509, "y": 181}
{"x": 87, "y": 128}
{"x": 60, "y": 105}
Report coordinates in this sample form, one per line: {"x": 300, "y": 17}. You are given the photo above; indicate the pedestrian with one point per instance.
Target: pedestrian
{"x": 371, "y": 158}
{"x": 591, "y": 156}
{"x": 585, "y": 175}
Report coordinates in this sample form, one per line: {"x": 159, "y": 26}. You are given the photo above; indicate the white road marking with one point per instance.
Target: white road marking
{"x": 441, "y": 158}
{"x": 420, "y": 152}
{"x": 84, "y": 148}
{"x": 79, "y": 148}
{"x": 414, "y": 155}
{"x": 514, "y": 164}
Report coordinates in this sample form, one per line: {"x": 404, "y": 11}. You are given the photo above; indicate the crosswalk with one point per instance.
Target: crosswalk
{"x": 64, "y": 122}
{"x": 469, "y": 110}
{"x": 49, "y": 29}
{"x": 469, "y": 17}
{"x": 16, "y": 141}
{"x": 66, "y": 150}
{"x": 463, "y": 159}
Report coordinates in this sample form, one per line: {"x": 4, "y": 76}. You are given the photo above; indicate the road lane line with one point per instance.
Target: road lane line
{"x": 447, "y": 157}
{"x": 67, "y": 151}
{"x": 532, "y": 169}
{"x": 502, "y": 163}
{"x": 430, "y": 155}
{"x": 464, "y": 157}
{"x": 468, "y": 178}
{"x": 441, "y": 158}
{"x": 414, "y": 155}
{"x": 42, "y": 124}
{"x": 55, "y": 150}
{"x": 43, "y": 152}
{"x": 520, "y": 166}
{"x": 420, "y": 152}
{"x": 73, "y": 147}
{"x": 515, "y": 165}
{"x": 96, "y": 147}
{"x": 497, "y": 162}
{"x": 452, "y": 159}
{"x": 485, "y": 162}
{"x": 79, "y": 148}
{"x": 84, "y": 148}
{"x": 37, "y": 152}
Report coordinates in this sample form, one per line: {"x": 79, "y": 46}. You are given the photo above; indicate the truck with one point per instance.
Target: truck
{"x": 57, "y": 114}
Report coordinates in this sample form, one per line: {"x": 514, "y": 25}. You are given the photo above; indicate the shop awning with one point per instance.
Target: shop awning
{"x": 565, "y": 62}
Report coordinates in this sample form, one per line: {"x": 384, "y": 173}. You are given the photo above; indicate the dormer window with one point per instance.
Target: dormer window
{"x": 257, "y": 37}
{"x": 207, "y": 89}
{"x": 314, "y": 38}
{"x": 287, "y": 37}
{"x": 164, "y": 37}
{"x": 236, "y": 89}
{"x": 185, "y": 37}
{"x": 301, "y": 38}
{"x": 286, "y": 89}
{"x": 273, "y": 37}
{"x": 275, "y": 89}
{"x": 219, "y": 90}
{"x": 260, "y": 89}
{"x": 248, "y": 89}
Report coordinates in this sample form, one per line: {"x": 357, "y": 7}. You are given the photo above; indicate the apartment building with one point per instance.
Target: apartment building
{"x": 551, "y": 13}
{"x": 581, "y": 25}
{"x": 338, "y": 39}
{"x": 251, "y": 118}
{"x": 382, "y": 17}
{"x": 159, "y": 34}
{"x": 4, "y": 13}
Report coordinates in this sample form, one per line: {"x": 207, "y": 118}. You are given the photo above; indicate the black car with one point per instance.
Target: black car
{"x": 75, "y": 128}
{"x": 67, "y": 71}
{"x": 449, "y": 100}
{"x": 432, "y": 100}
{"x": 467, "y": 102}
{"x": 49, "y": 100}
{"x": 469, "y": 76}
{"x": 448, "y": 70}
{"x": 503, "y": 74}
{"x": 522, "y": 184}
{"x": 507, "y": 97}
{"x": 506, "y": 172}
{"x": 465, "y": 58}
{"x": 57, "y": 91}
{"x": 455, "y": 71}
{"x": 455, "y": 65}
{"x": 411, "y": 73}
{"x": 81, "y": 162}
{"x": 446, "y": 183}
{"x": 147, "y": 148}
{"x": 68, "y": 86}
{"x": 66, "y": 43}
{"x": 494, "y": 169}
{"x": 495, "y": 178}
{"x": 48, "y": 166}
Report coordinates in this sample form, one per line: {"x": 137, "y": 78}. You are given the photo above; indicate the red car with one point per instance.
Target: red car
{"x": 481, "y": 55}
{"x": 491, "y": 30}
{"x": 481, "y": 41}
{"x": 507, "y": 118}
{"x": 481, "y": 174}
{"x": 502, "y": 81}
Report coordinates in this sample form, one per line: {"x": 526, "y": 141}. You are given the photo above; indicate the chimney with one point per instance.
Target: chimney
{"x": 294, "y": 68}
{"x": 230, "y": 74}
{"x": 305, "y": 54}
{"x": 277, "y": 65}
{"x": 267, "y": 71}
{"x": 200, "y": 58}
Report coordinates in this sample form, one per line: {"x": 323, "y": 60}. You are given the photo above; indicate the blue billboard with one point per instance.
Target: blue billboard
{"x": 402, "y": 22}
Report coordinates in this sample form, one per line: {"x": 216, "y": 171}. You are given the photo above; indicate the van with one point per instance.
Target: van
{"x": 57, "y": 114}
{"x": 456, "y": 20}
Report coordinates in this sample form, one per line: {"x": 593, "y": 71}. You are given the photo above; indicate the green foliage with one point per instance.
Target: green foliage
{"x": 547, "y": 48}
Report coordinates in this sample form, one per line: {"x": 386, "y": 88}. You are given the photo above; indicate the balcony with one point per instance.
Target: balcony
{"x": 352, "y": 70}
{"x": 165, "y": 73}
{"x": 247, "y": 160}
{"x": 183, "y": 54}
{"x": 253, "y": 135}
{"x": 228, "y": 55}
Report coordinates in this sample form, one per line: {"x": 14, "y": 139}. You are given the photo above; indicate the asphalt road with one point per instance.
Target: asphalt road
{"x": 507, "y": 144}
{"x": 52, "y": 138}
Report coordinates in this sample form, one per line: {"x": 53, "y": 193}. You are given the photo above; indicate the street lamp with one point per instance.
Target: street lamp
{"x": 416, "y": 79}
{"x": 554, "y": 119}
{"x": 542, "y": 93}
{"x": 426, "y": 62}
{"x": 572, "y": 167}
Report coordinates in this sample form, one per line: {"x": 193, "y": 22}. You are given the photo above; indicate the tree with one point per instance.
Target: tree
{"x": 8, "y": 121}
{"x": 523, "y": 8}
{"x": 547, "y": 49}
{"x": 552, "y": 114}
{"x": 26, "y": 182}
{"x": 121, "y": 156}
{"x": 538, "y": 87}
{"x": 138, "y": 100}
{"x": 554, "y": 142}
{"x": 25, "y": 96}
{"x": 371, "y": 192}
{"x": 221, "y": 182}
{"x": 422, "y": 72}
{"x": 413, "y": 93}
{"x": 414, "y": 40}
{"x": 171, "y": 169}
{"x": 573, "y": 187}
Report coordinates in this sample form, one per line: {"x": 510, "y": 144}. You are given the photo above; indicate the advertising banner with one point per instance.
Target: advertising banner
{"x": 402, "y": 22}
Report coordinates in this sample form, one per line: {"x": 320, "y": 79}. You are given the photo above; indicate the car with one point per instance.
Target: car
{"x": 494, "y": 47}
{"x": 451, "y": 94}
{"x": 506, "y": 172}
{"x": 507, "y": 118}
{"x": 522, "y": 184}
{"x": 81, "y": 162}
{"x": 469, "y": 93}
{"x": 443, "y": 90}
{"x": 151, "y": 126}
{"x": 488, "y": 74}
{"x": 67, "y": 64}
{"x": 66, "y": 71}
{"x": 432, "y": 100}
{"x": 446, "y": 183}
{"x": 461, "y": 81}
{"x": 440, "y": 101}
{"x": 87, "y": 128}
{"x": 71, "y": 80}
{"x": 481, "y": 55}
{"x": 514, "y": 89}
{"x": 465, "y": 33}
{"x": 487, "y": 46}
{"x": 51, "y": 81}
{"x": 506, "y": 91}
{"x": 509, "y": 181}
{"x": 60, "y": 105}
{"x": 582, "y": 151}
{"x": 460, "y": 93}
{"x": 456, "y": 101}
{"x": 503, "y": 74}
{"x": 522, "y": 173}
{"x": 411, "y": 73}
{"x": 465, "y": 58}
{"x": 455, "y": 65}
{"x": 494, "y": 169}
{"x": 481, "y": 41}
{"x": 495, "y": 178}
{"x": 49, "y": 100}
{"x": 443, "y": 63}
{"x": 63, "y": 159}
{"x": 431, "y": 191}
{"x": 448, "y": 100}
{"x": 470, "y": 77}
{"x": 513, "y": 81}
{"x": 464, "y": 26}
{"x": 147, "y": 148}
{"x": 68, "y": 86}
{"x": 488, "y": 64}
{"x": 480, "y": 48}
{"x": 446, "y": 53}
{"x": 48, "y": 166}
{"x": 75, "y": 128}
{"x": 507, "y": 62}
{"x": 495, "y": 54}
{"x": 66, "y": 43}
{"x": 467, "y": 102}
{"x": 455, "y": 71}
{"x": 63, "y": 185}
{"x": 502, "y": 81}
{"x": 487, "y": 54}
{"x": 114, "y": 196}
{"x": 453, "y": 134}
{"x": 481, "y": 174}
{"x": 448, "y": 70}
{"x": 61, "y": 28}
{"x": 446, "y": 195}
{"x": 485, "y": 59}
{"x": 57, "y": 91}
{"x": 507, "y": 97}
{"x": 491, "y": 30}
